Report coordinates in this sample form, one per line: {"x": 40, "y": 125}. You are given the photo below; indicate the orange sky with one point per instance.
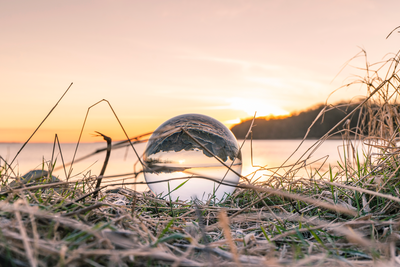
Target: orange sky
{"x": 157, "y": 59}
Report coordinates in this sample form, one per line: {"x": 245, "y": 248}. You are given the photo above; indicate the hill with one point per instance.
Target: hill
{"x": 296, "y": 125}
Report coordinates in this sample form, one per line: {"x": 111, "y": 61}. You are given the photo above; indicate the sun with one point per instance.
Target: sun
{"x": 251, "y": 106}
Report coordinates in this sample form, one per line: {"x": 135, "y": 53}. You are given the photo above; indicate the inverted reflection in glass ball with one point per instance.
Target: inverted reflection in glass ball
{"x": 195, "y": 149}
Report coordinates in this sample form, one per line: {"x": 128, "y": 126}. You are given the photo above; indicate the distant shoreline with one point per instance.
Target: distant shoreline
{"x": 313, "y": 123}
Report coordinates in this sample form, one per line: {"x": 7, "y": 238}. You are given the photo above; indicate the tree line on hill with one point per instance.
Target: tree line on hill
{"x": 296, "y": 125}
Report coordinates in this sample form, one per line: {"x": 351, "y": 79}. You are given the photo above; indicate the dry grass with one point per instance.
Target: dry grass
{"x": 346, "y": 217}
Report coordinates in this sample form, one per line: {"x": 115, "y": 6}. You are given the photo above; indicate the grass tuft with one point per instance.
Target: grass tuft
{"x": 346, "y": 216}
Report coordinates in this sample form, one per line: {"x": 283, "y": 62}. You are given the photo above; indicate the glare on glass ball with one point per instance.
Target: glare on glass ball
{"x": 186, "y": 147}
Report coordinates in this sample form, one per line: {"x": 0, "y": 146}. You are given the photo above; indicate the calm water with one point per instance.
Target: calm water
{"x": 267, "y": 153}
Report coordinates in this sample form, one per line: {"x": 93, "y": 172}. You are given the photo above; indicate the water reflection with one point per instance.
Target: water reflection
{"x": 268, "y": 153}
{"x": 286, "y": 158}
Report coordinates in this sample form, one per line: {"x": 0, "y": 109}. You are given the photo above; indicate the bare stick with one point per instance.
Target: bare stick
{"x": 224, "y": 223}
{"x": 24, "y": 235}
{"x": 103, "y": 169}
{"x": 56, "y": 140}
{"x": 120, "y": 124}
{"x": 19, "y": 151}
{"x": 392, "y": 31}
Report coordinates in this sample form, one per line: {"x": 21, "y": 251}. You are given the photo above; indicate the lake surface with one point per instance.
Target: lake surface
{"x": 269, "y": 154}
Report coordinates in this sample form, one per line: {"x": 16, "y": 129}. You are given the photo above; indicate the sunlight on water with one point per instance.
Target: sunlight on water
{"x": 268, "y": 153}
{"x": 181, "y": 159}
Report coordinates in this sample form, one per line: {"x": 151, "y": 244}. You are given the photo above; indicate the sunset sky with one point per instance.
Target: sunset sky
{"x": 153, "y": 60}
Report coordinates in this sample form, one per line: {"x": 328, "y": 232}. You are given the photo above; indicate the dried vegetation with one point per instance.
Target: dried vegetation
{"x": 348, "y": 216}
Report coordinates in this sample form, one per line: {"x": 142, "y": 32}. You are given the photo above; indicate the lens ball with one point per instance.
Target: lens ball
{"x": 187, "y": 158}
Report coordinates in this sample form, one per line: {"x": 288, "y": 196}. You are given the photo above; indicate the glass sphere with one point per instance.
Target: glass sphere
{"x": 185, "y": 159}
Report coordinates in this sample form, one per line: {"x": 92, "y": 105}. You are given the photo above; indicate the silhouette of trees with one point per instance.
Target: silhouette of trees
{"x": 296, "y": 126}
